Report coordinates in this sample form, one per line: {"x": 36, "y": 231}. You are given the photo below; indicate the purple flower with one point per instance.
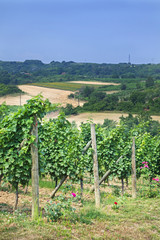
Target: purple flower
{"x": 157, "y": 179}
{"x": 73, "y": 194}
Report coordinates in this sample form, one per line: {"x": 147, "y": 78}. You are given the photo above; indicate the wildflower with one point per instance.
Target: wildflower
{"x": 146, "y": 166}
{"x": 115, "y": 203}
{"x": 155, "y": 179}
{"x": 141, "y": 167}
{"x": 73, "y": 194}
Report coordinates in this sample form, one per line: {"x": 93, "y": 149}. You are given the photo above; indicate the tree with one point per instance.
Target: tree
{"x": 149, "y": 82}
{"x": 123, "y": 86}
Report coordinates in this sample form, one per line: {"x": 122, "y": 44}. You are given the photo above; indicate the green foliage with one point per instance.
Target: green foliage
{"x": 149, "y": 125}
{"x": 69, "y": 109}
{"x": 65, "y": 86}
{"x": 149, "y": 189}
{"x": 8, "y": 89}
{"x": 61, "y": 149}
{"x": 4, "y": 110}
{"x": 55, "y": 210}
{"x": 61, "y": 208}
{"x": 61, "y": 145}
{"x": 15, "y": 141}
{"x": 109, "y": 124}
{"x": 123, "y": 86}
{"x": 65, "y": 71}
{"x": 149, "y": 82}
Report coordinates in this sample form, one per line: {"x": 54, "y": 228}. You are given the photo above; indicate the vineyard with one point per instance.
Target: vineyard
{"x": 65, "y": 156}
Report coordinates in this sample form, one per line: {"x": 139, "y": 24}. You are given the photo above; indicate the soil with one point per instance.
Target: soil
{"x": 54, "y": 96}
{"x": 96, "y": 83}
{"x": 61, "y": 96}
{"x": 95, "y": 117}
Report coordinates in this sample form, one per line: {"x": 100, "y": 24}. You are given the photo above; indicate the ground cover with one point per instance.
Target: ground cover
{"x": 71, "y": 86}
{"x": 54, "y": 96}
{"x": 128, "y": 219}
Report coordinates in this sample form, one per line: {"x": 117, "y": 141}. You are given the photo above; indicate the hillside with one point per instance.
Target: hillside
{"x": 35, "y": 71}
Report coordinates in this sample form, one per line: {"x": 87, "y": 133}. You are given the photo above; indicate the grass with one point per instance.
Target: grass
{"x": 134, "y": 219}
{"x": 70, "y": 86}
{"x": 64, "y": 85}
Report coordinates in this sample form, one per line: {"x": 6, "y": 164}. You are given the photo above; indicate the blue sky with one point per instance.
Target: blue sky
{"x": 100, "y": 31}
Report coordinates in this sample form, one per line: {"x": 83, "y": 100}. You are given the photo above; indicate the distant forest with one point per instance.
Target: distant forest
{"x": 31, "y": 71}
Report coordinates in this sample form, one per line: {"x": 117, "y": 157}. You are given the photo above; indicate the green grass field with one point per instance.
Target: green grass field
{"x": 64, "y": 85}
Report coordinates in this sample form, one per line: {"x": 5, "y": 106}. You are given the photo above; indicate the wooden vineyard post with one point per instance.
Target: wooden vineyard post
{"x": 134, "y": 191}
{"x": 58, "y": 186}
{"x": 95, "y": 166}
{"x": 35, "y": 171}
{"x": 105, "y": 175}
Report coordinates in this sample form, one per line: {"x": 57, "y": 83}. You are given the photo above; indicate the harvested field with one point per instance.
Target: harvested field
{"x": 61, "y": 96}
{"x": 95, "y": 117}
{"x": 54, "y": 96}
{"x": 99, "y": 117}
{"x": 96, "y": 83}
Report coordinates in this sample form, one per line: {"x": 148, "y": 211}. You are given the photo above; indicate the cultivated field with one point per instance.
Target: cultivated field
{"x": 61, "y": 96}
{"x": 54, "y": 96}
{"x": 96, "y": 83}
{"x": 95, "y": 117}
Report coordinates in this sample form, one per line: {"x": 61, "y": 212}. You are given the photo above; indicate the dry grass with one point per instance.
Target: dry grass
{"x": 54, "y": 96}
{"x": 95, "y": 117}
{"x": 96, "y": 83}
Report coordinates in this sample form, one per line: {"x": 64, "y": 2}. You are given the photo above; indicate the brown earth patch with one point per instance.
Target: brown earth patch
{"x": 95, "y": 117}
{"x": 54, "y": 96}
{"x": 96, "y": 83}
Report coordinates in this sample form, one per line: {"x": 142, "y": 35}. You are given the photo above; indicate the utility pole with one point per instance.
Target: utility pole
{"x": 129, "y": 59}
{"x": 20, "y": 98}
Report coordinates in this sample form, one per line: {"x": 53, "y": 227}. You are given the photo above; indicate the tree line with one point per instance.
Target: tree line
{"x": 36, "y": 71}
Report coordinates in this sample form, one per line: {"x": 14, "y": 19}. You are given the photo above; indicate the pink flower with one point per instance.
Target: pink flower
{"x": 154, "y": 179}
{"x": 146, "y": 166}
{"x": 144, "y": 162}
{"x": 73, "y": 194}
{"x": 141, "y": 167}
{"x": 157, "y": 179}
